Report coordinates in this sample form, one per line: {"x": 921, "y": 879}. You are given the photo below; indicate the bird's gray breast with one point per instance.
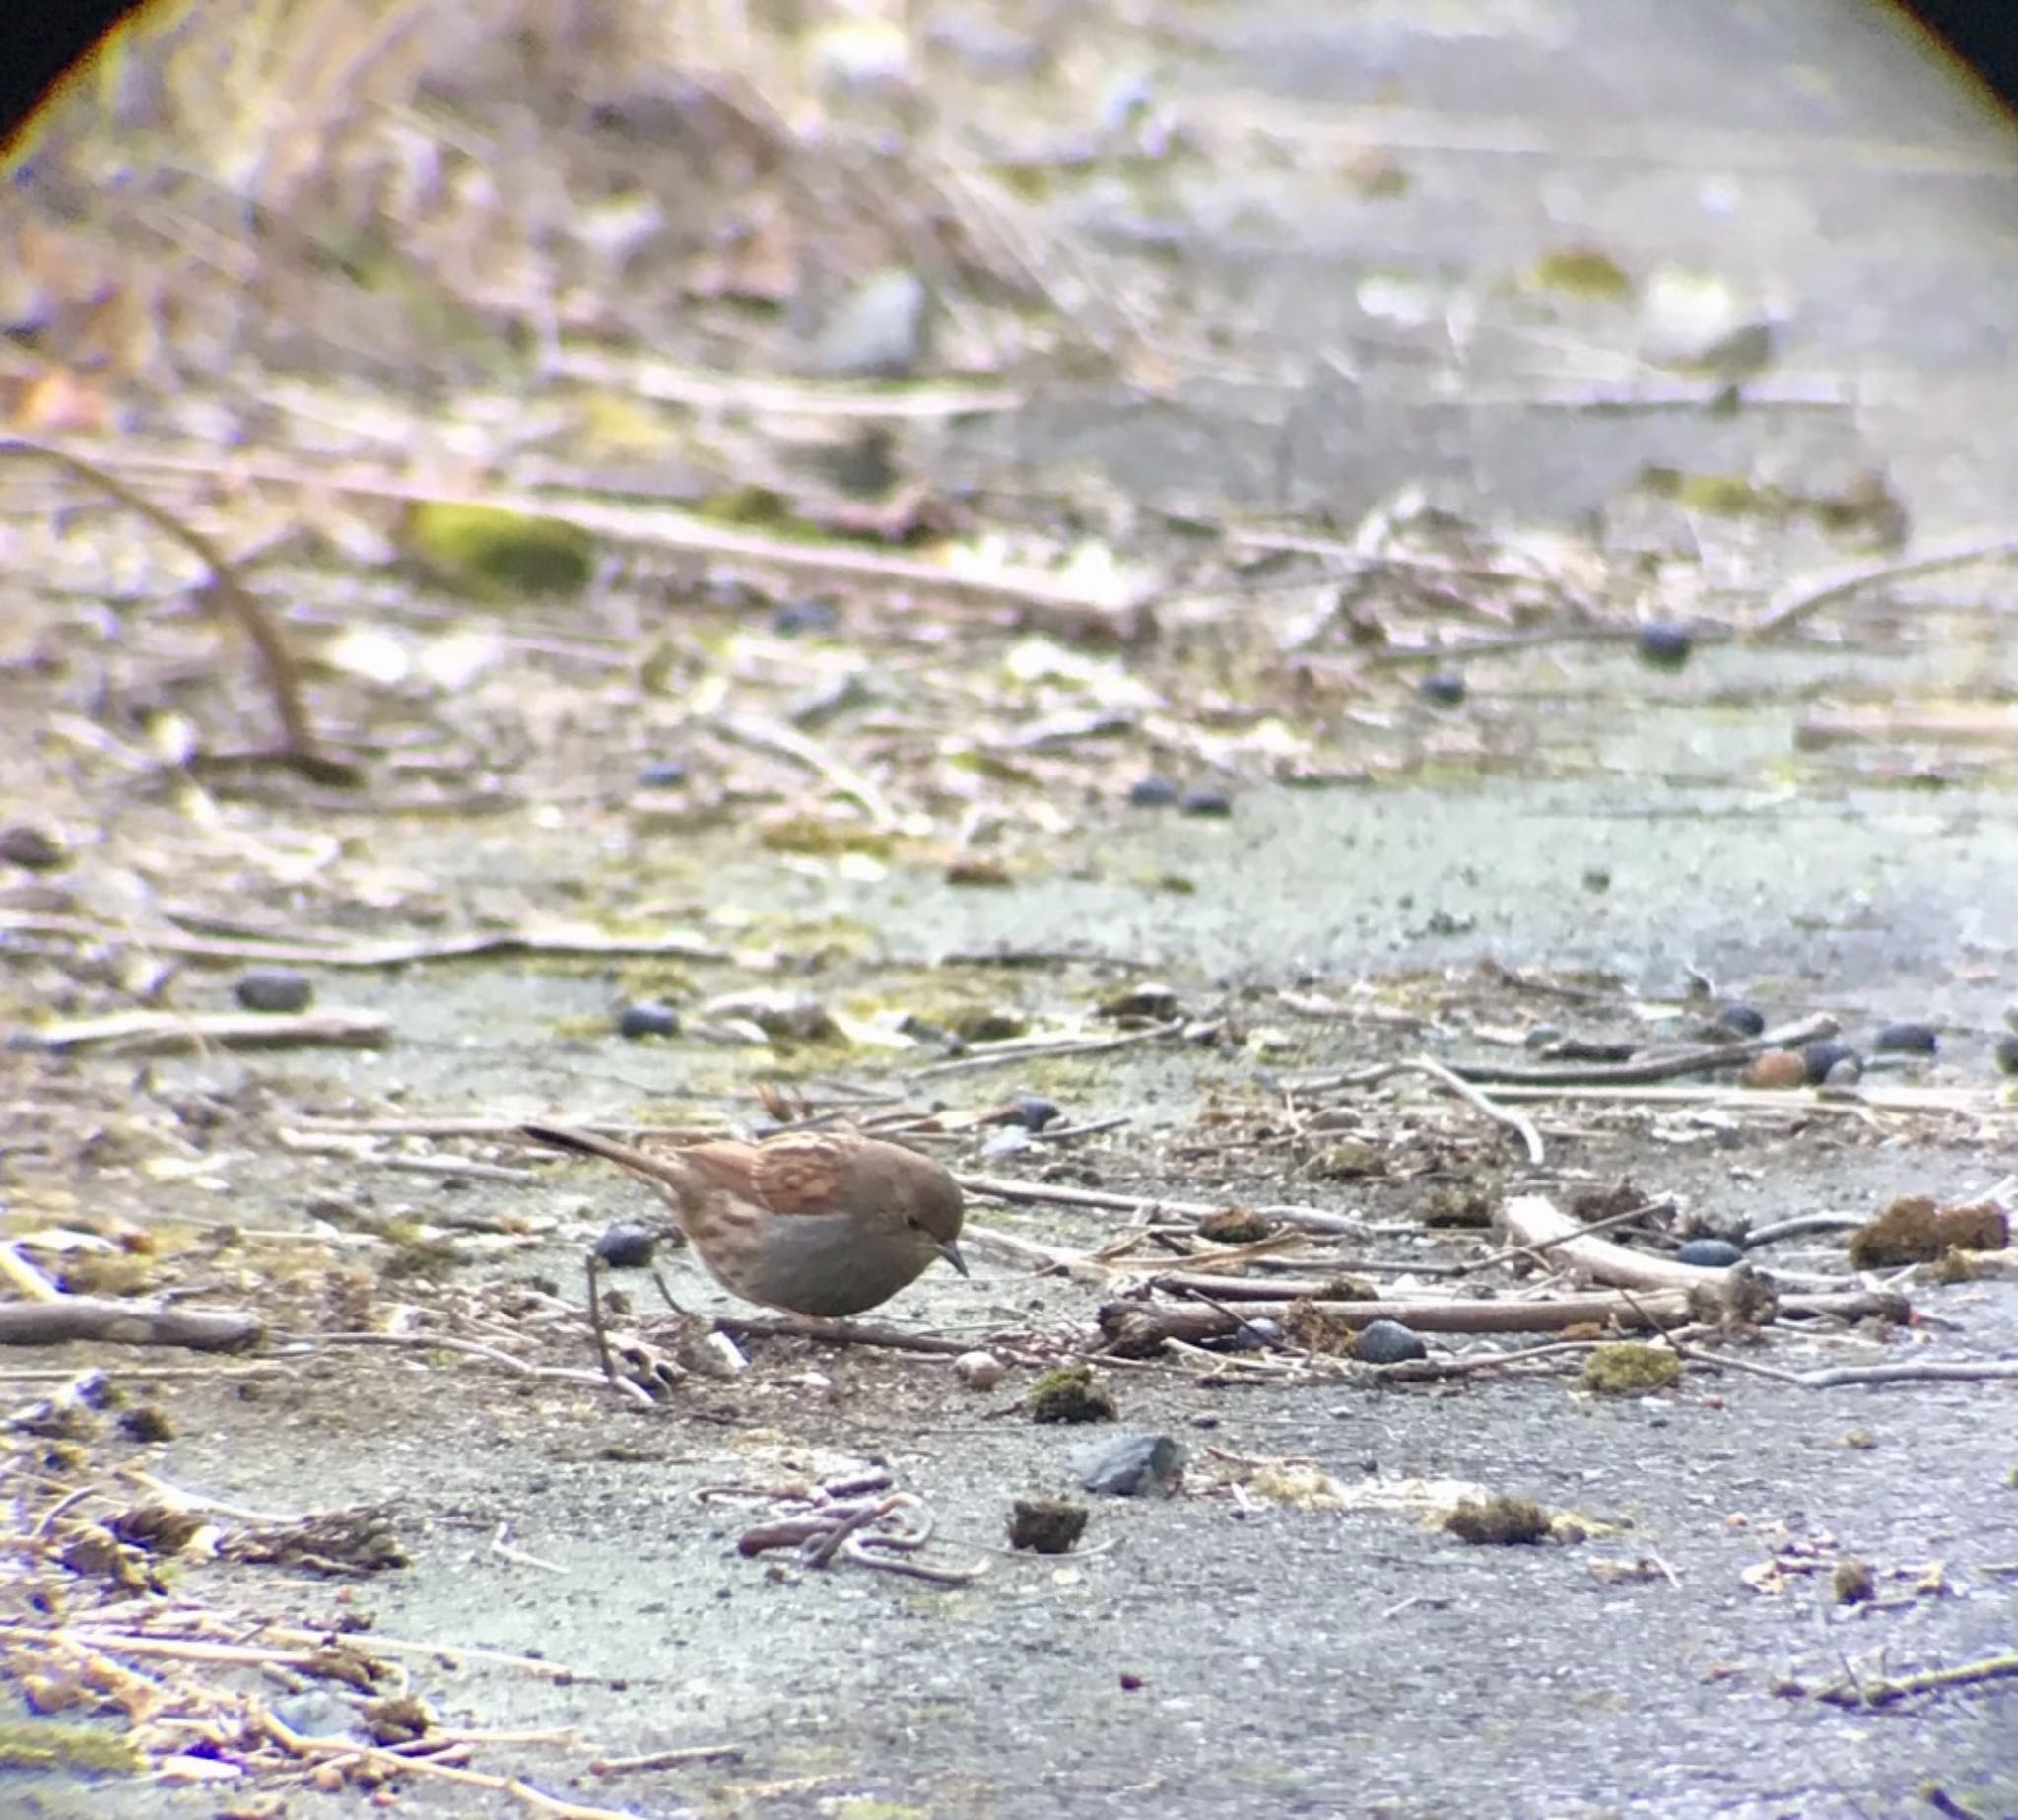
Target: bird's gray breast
{"x": 819, "y": 1265}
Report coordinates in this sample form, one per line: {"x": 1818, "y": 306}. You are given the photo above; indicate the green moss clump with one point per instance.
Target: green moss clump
{"x": 1499, "y": 1520}
{"x": 1629, "y": 1367}
{"x": 1046, "y": 1525}
{"x": 1915, "y": 1229}
{"x": 984, "y": 1024}
{"x": 818, "y": 836}
{"x": 1459, "y": 1207}
{"x": 1352, "y": 1159}
{"x": 1071, "y": 1393}
{"x": 486, "y": 552}
{"x": 53, "y": 1744}
{"x": 1235, "y": 1225}
{"x": 1852, "y": 1583}
{"x": 1582, "y": 271}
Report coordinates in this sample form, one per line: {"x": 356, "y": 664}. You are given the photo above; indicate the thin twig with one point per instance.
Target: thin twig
{"x": 1797, "y": 601}
{"x": 1038, "y": 1049}
{"x": 1517, "y": 1122}
{"x": 302, "y": 748}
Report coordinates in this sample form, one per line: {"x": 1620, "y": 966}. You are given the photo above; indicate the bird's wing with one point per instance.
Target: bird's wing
{"x": 788, "y": 1175}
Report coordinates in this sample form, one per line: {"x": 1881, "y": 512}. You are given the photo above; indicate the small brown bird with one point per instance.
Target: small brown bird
{"x": 824, "y": 1223}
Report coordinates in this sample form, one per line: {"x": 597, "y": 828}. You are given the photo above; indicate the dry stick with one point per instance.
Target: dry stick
{"x": 841, "y": 1333}
{"x": 1800, "y": 599}
{"x": 657, "y": 528}
{"x": 624, "y": 1386}
{"x": 1836, "y": 1377}
{"x": 1654, "y": 1067}
{"x": 127, "y": 1323}
{"x": 1041, "y": 1048}
{"x": 393, "y": 1763}
{"x": 1963, "y": 1675}
{"x": 1514, "y": 1121}
{"x": 1274, "y": 1300}
{"x": 443, "y": 1342}
{"x": 667, "y": 1759}
{"x": 25, "y": 1277}
{"x": 765, "y": 735}
{"x": 302, "y": 750}
{"x": 665, "y": 383}
{"x": 1409, "y": 1371}
{"x": 562, "y": 941}
{"x": 1051, "y": 1257}
{"x": 1622, "y": 1218}
{"x": 1855, "y": 1102}
{"x": 1007, "y": 1188}
{"x": 157, "y": 1032}
{"x": 1535, "y": 1220}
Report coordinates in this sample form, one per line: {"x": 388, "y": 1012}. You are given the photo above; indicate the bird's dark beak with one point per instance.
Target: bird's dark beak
{"x": 951, "y": 1253}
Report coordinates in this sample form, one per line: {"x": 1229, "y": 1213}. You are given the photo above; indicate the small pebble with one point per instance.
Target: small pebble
{"x": 1843, "y": 1071}
{"x": 1388, "y": 1342}
{"x": 798, "y": 616}
{"x": 647, "y": 1020}
{"x": 1664, "y": 645}
{"x": 1443, "y": 688}
{"x": 662, "y": 774}
{"x": 2007, "y": 1055}
{"x": 1206, "y": 802}
{"x": 1777, "y": 1068}
{"x": 626, "y": 1248}
{"x": 273, "y": 989}
{"x": 1819, "y": 1059}
{"x": 1152, "y": 793}
{"x": 998, "y": 1146}
{"x": 34, "y": 849}
{"x": 879, "y": 332}
{"x": 1709, "y": 1253}
{"x": 1541, "y": 1036}
{"x": 1908, "y": 1039}
{"x": 1033, "y": 1112}
{"x": 978, "y": 1370}
{"x": 1742, "y": 1019}
{"x": 1127, "y": 1465}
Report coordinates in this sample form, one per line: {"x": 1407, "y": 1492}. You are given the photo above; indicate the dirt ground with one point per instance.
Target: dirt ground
{"x": 898, "y": 819}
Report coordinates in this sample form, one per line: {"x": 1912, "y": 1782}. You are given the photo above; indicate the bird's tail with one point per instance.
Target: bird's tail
{"x": 588, "y": 1144}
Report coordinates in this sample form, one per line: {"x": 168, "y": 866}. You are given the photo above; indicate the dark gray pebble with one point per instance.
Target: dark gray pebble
{"x": 1152, "y": 793}
{"x": 1388, "y": 1342}
{"x": 1206, "y": 802}
{"x": 626, "y": 1248}
{"x": 1128, "y": 1466}
{"x": 798, "y": 616}
{"x": 1664, "y": 645}
{"x": 1742, "y": 1019}
{"x": 34, "y": 849}
{"x": 2007, "y": 1055}
{"x": 274, "y": 989}
{"x": 1820, "y": 1060}
{"x": 663, "y": 774}
{"x": 1444, "y": 688}
{"x": 1033, "y": 1112}
{"x": 647, "y": 1020}
{"x": 1709, "y": 1253}
{"x": 1908, "y": 1039}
